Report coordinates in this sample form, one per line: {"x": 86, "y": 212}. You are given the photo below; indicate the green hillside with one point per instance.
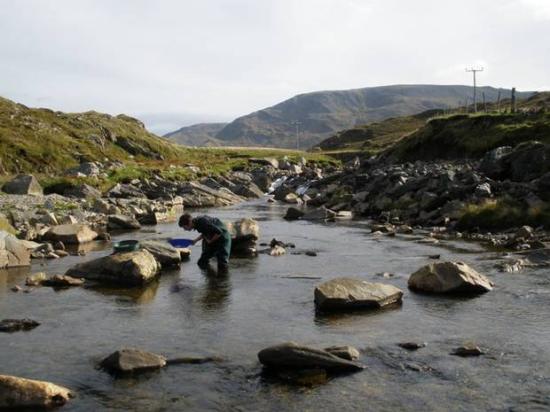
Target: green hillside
{"x": 41, "y": 140}
{"x": 375, "y": 137}
{"x": 472, "y": 135}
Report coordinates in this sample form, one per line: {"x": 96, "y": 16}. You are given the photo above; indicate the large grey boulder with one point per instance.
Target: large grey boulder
{"x": 122, "y": 222}
{"x": 71, "y": 234}
{"x": 18, "y": 392}
{"x": 244, "y": 234}
{"x": 449, "y": 277}
{"x": 82, "y": 191}
{"x": 290, "y": 355}
{"x": 127, "y": 361}
{"x": 13, "y": 252}
{"x": 528, "y": 161}
{"x": 128, "y": 269}
{"x": 166, "y": 254}
{"x": 351, "y": 293}
{"x": 23, "y": 185}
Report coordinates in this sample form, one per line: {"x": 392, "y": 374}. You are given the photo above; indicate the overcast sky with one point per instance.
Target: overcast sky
{"x": 177, "y": 62}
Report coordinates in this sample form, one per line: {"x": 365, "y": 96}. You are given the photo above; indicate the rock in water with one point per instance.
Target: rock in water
{"x": 293, "y": 356}
{"x": 121, "y": 222}
{"x": 132, "y": 361}
{"x": 293, "y": 213}
{"x": 18, "y": 392}
{"x": 13, "y": 252}
{"x": 468, "y": 350}
{"x": 350, "y": 293}
{"x": 166, "y": 254}
{"x": 23, "y": 185}
{"x": 449, "y": 277}
{"x": 62, "y": 281}
{"x": 128, "y": 269}
{"x": 14, "y": 325}
{"x": 71, "y": 234}
{"x": 344, "y": 352}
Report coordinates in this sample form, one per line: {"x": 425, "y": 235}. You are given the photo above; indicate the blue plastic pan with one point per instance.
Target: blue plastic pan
{"x": 180, "y": 243}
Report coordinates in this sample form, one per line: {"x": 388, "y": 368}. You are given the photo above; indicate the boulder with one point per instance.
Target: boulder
{"x": 244, "y": 227}
{"x": 321, "y": 213}
{"x": 344, "y": 352}
{"x": 350, "y": 293}
{"x": 122, "y": 222}
{"x": 449, "y": 277}
{"x": 14, "y": 325}
{"x": 248, "y": 190}
{"x": 293, "y": 356}
{"x": 524, "y": 232}
{"x": 71, "y": 234}
{"x": 266, "y": 161}
{"x": 13, "y": 252}
{"x": 166, "y": 254}
{"x": 18, "y": 392}
{"x": 528, "y": 161}
{"x": 293, "y": 213}
{"x": 128, "y": 269}
{"x": 82, "y": 191}
{"x": 128, "y": 361}
{"x": 23, "y": 185}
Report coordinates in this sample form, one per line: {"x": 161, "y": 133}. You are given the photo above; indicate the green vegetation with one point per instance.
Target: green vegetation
{"x": 46, "y": 143}
{"x": 503, "y": 213}
{"x": 375, "y": 137}
{"x": 472, "y": 135}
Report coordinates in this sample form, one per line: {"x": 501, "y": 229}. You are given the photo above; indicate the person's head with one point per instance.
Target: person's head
{"x": 186, "y": 221}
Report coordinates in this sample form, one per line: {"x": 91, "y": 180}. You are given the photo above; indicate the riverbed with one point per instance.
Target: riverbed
{"x": 269, "y": 300}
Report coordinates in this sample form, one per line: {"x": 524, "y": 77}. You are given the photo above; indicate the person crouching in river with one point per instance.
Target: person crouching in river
{"x": 216, "y": 240}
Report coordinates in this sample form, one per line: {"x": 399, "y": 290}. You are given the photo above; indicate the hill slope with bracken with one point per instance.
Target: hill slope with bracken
{"x": 201, "y": 134}
{"x": 46, "y": 141}
{"x": 472, "y": 135}
{"x": 322, "y": 114}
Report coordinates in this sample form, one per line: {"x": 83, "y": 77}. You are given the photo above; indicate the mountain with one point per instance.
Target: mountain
{"x": 46, "y": 141}
{"x": 202, "y": 134}
{"x": 322, "y": 114}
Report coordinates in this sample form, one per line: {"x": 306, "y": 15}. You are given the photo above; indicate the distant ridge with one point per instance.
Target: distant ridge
{"x": 201, "y": 134}
{"x": 321, "y": 114}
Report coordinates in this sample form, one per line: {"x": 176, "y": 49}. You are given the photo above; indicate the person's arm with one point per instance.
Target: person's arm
{"x": 197, "y": 239}
{"x": 214, "y": 237}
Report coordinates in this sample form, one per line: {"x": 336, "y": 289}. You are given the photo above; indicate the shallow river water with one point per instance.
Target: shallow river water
{"x": 189, "y": 313}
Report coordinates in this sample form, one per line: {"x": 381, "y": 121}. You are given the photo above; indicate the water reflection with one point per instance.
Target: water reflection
{"x": 143, "y": 295}
{"x": 216, "y": 293}
{"x": 12, "y": 276}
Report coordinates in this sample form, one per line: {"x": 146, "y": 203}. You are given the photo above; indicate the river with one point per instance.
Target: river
{"x": 258, "y": 305}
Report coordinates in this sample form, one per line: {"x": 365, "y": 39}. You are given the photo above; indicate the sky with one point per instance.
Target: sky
{"x": 173, "y": 63}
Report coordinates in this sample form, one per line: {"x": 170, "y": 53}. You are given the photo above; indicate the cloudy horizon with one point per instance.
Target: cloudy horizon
{"x": 175, "y": 63}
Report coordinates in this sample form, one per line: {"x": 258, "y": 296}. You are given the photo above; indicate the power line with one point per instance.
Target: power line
{"x": 297, "y": 124}
{"x": 474, "y": 71}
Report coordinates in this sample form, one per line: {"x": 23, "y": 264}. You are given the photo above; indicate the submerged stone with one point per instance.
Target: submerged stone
{"x": 129, "y": 360}
{"x": 18, "y": 392}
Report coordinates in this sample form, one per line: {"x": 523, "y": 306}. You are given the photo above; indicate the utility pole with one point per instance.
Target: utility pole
{"x": 474, "y": 71}
{"x": 297, "y": 124}
{"x": 513, "y": 101}
{"x": 498, "y": 102}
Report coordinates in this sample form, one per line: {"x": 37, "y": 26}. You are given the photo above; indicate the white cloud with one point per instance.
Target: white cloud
{"x": 217, "y": 59}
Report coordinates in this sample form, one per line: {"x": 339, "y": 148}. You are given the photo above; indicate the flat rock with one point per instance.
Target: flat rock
{"x": 449, "y": 277}
{"x": 293, "y": 356}
{"x": 129, "y": 360}
{"x": 122, "y": 222}
{"x": 18, "y": 392}
{"x": 71, "y": 234}
{"x": 15, "y": 325}
{"x": 62, "y": 281}
{"x": 344, "y": 352}
{"x": 468, "y": 350}
{"x": 128, "y": 269}
{"x": 412, "y": 345}
{"x": 166, "y": 254}
{"x": 351, "y": 293}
